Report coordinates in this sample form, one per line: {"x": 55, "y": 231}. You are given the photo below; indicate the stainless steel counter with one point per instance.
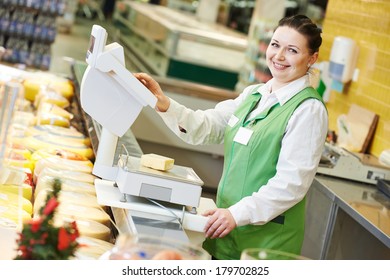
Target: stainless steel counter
{"x": 346, "y": 220}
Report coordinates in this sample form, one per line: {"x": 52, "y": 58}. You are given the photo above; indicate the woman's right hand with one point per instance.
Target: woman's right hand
{"x": 163, "y": 101}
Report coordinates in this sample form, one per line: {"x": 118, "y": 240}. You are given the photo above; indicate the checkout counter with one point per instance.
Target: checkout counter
{"x": 346, "y": 220}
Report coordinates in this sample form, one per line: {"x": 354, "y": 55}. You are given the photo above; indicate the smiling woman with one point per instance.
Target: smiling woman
{"x": 261, "y": 199}
{"x": 293, "y": 49}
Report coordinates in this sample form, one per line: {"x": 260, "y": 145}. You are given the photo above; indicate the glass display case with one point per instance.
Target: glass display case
{"x": 175, "y": 44}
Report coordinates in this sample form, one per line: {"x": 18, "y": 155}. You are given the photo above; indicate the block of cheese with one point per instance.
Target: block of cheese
{"x": 75, "y": 211}
{"x": 25, "y": 188}
{"x": 46, "y": 182}
{"x": 83, "y": 199}
{"x": 92, "y": 248}
{"x": 12, "y": 212}
{"x": 157, "y": 162}
{"x": 37, "y": 142}
{"x": 7, "y": 198}
{"x": 62, "y": 164}
{"x": 66, "y": 174}
{"x": 67, "y": 133}
{"x": 86, "y": 227}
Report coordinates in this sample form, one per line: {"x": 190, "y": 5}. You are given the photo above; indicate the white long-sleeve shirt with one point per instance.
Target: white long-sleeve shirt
{"x": 302, "y": 146}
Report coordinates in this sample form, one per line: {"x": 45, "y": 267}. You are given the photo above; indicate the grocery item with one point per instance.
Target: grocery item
{"x": 26, "y": 189}
{"x": 83, "y": 199}
{"x": 66, "y": 174}
{"x": 61, "y": 153}
{"x": 75, "y": 211}
{"x": 73, "y": 185}
{"x": 8, "y": 198}
{"x": 62, "y": 164}
{"x": 157, "y": 162}
{"x": 38, "y": 142}
{"x": 92, "y": 248}
{"x": 54, "y": 110}
{"x": 89, "y": 228}
{"x": 67, "y": 133}
{"x": 13, "y": 213}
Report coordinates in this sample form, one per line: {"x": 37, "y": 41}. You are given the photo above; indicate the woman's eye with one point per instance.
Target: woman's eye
{"x": 292, "y": 50}
{"x": 275, "y": 45}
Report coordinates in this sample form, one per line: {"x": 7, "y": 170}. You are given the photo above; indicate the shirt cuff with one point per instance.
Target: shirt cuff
{"x": 240, "y": 214}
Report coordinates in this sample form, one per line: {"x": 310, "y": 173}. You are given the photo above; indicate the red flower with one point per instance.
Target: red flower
{"x": 50, "y": 206}
{"x": 75, "y": 232}
{"x": 35, "y": 224}
{"x": 64, "y": 239}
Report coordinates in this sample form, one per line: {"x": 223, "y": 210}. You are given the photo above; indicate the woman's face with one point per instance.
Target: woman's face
{"x": 288, "y": 56}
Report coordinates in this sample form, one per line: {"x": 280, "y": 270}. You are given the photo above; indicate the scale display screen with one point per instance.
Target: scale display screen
{"x": 91, "y": 45}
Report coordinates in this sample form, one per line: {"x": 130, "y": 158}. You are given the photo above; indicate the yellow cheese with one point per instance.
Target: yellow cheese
{"x": 7, "y": 198}
{"x": 38, "y": 142}
{"x": 46, "y": 182}
{"x": 83, "y": 199}
{"x": 12, "y": 212}
{"x": 92, "y": 248}
{"x": 33, "y": 85}
{"x": 26, "y": 190}
{"x": 88, "y": 228}
{"x": 62, "y": 164}
{"x": 67, "y": 174}
{"x": 55, "y": 110}
{"x": 157, "y": 162}
{"x": 64, "y": 87}
{"x": 52, "y": 119}
{"x": 52, "y": 97}
{"x": 81, "y": 212}
{"x": 67, "y": 133}
{"x": 7, "y": 223}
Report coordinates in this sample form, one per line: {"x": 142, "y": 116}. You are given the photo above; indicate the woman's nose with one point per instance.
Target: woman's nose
{"x": 280, "y": 54}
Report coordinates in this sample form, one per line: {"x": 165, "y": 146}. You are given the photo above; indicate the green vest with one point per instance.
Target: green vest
{"x": 247, "y": 168}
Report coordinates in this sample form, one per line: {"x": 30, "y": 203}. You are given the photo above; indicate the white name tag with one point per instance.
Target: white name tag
{"x": 233, "y": 121}
{"x": 243, "y": 135}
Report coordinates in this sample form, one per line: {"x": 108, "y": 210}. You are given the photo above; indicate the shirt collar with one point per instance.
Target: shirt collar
{"x": 287, "y": 92}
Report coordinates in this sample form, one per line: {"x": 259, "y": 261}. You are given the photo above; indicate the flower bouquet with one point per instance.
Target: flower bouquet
{"x": 41, "y": 240}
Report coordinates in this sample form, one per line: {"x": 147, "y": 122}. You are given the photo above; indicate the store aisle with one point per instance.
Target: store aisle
{"x": 72, "y": 45}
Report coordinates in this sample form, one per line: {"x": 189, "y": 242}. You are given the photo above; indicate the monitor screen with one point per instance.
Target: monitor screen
{"x": 91, "y": 44}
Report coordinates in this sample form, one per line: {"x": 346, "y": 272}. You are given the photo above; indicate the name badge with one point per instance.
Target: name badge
{"x": 233, "y": 121}
{"x": 243, "y": 135}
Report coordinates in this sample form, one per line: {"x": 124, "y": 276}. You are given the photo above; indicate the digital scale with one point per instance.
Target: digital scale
{"x": 111, "y": 95}
{"x": 338, "y": 162}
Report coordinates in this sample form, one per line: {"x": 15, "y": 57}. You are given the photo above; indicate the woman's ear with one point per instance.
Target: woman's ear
{"x": 313, "y": 58}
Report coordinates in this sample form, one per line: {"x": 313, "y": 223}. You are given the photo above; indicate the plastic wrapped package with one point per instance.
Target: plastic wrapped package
{"x": 55, "y": 110}
{"x": 73, "y": 185}
{"x": 26, "y": 190}
{"x": 33, "y": 85}
{"x": 78, "y": 198}
{"x": 62, "y": 164}
{"x": 38, "y": 142}
{"x": 67, "y": 134}
{"x": 66, "y": 174}
{"x": 75, "y": 211}
{"x": 92, "y": 248}
{"x": 61, "y": 153}
{"x": 11, "y": 199}
{"x": 13, "y": 213}
{"x": 52, "y": 97}
{"x": 88, "y": 228}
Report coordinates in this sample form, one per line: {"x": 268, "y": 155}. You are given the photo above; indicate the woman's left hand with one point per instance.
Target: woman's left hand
{"x": 220, "y": 223}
